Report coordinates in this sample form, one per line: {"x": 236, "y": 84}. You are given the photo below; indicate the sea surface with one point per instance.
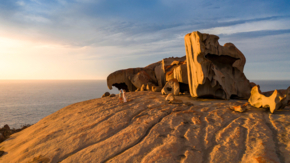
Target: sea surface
{"x": 27, "y": 101}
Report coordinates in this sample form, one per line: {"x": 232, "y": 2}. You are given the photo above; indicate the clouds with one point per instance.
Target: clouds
{"x": 128, "y": 31}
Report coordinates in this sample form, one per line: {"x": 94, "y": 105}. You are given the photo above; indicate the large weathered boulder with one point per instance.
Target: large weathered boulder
{"x": 169, "y": 69}
{"x": 166, "y": 65}
{"x": 141, "y": 78}
{"x": 215, "y": 70}
{"x": 180, "y": 73}
{"x": 274, "y": 102}
{"x": 172, "y": 86}
{"x": 159, "y": 75}
{"x": 122, "y": 78}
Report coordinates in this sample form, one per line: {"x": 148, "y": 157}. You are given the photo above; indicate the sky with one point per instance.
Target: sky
{"x": 89, "y": 39}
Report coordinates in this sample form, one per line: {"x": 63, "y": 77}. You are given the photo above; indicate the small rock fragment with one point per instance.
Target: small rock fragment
{"x": 240, "y": 108}
{"x": 169, "y": 97}
{"x": 6, "y": 127}
{"x": 106, "y": 94}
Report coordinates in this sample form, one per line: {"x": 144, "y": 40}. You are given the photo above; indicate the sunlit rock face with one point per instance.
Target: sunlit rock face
{"x": 164, "y": 71}
{"x": 274, "y": 102}
{"x": 142, "y": 78}
{"x": 214, "y": 70}
{"x": 153, "y": 75}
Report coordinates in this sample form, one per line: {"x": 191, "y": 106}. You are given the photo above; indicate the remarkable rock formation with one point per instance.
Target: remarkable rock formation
{"x": 122, "y": 78}
{"x": 153, "y": 75}
{"x": 172, "y": 86}
{"x": 141, "y": 78}
{"x": 165, "y": 66}
{"x": 215, "y": 70}
{"x": 180, "y": 73}
{"x": 274, "y": 102}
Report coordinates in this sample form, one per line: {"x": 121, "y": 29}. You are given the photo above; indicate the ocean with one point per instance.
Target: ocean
{"x": 27, "y": 101}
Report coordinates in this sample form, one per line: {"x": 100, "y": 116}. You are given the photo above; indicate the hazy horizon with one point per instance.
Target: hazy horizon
{"x": 88, "y": 40}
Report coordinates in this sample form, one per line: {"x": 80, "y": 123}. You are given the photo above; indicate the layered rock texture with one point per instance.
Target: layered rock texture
{"x": 122, "y": 79}
{"x": 147, "y": 129}
{"x": 155, "y": 75}
{"x": 215, "y": 70}
{"x": 274, "y": 102}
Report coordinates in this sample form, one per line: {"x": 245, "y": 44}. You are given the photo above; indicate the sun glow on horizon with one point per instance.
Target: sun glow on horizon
{"x": 25, "y": 59}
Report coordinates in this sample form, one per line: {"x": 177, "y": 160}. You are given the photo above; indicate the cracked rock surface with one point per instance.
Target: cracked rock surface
{"x": 147, "y": 129}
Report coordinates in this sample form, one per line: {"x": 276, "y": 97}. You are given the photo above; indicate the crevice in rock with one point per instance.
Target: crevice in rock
{"x": 235, "y": 97}
{"x": 117, "y": 131}
{"x": 274, "y": 135}
{"x": 222, "y": 60}
{"x": 140, "y": 139}
{"x": 183, "y": 87}
{"x": 208, "y": 150}
{"x": 243, "y": 148}
{"x": 117, "y": 111}
{"x": 201, "y": 135}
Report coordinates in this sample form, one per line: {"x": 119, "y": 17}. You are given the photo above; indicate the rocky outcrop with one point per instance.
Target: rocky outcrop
{"x": 180, "y": 73}
{"x": 5, "y": 131}
{"x": 153, "y": 75}
{"x": 215, "y": 70}
{"x": 142, "y": 78}
{"x": 172, "y": 86}
{"x": 164, "y": 70}
{"x": 122, "y": 78}
{"x": 274, "y": 102}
